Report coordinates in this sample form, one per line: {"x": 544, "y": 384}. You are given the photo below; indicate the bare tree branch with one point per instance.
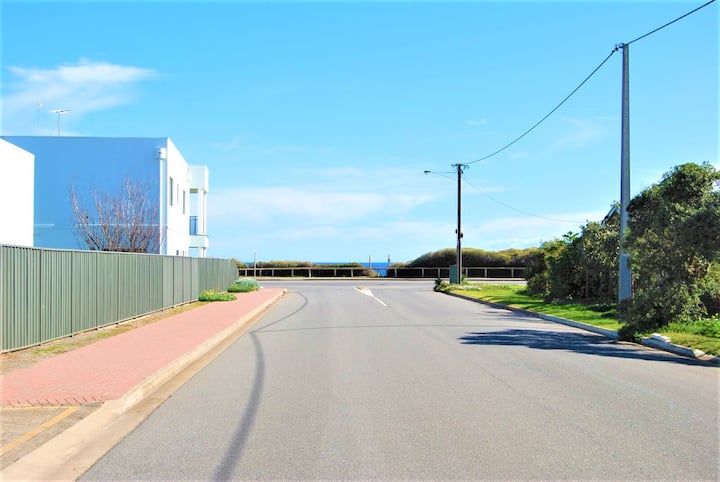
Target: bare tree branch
{"x": 124, "y": 221}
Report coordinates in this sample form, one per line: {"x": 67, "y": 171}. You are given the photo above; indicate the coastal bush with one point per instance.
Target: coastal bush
{"x": 212, "y": 295}
{"x": 473, "y": 257}
{"x": 244, "y": 285}
{"x": 674, "y": 244}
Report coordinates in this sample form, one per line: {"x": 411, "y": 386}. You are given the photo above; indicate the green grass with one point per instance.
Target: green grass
{"x": 514, "y": 295}
{"x": 211, "y": 295}
{"x": 703, "y": 335}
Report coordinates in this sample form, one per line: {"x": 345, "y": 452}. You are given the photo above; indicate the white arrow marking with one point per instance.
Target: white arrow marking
{"x": 369, "y": 293}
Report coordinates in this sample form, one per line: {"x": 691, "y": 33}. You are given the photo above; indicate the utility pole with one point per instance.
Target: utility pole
{"x": 624, "y": 275}
{"x": 460, "y": 168}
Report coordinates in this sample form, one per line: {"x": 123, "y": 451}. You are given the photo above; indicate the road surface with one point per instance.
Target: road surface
{"x": 395, "y": 381}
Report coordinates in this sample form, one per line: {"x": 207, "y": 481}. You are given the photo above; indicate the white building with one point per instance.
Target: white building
{"x": 16, "y": 196}
{"x": 101, "y": 165}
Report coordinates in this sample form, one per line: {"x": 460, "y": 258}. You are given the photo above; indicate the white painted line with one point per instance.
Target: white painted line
{"x": 367, "y": 292}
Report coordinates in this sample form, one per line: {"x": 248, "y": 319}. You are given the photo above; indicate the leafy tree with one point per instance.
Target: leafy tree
{"x": 537, "y": 273}
{"x": 123, "y": 221}
{"x": 600, "y": 245}
{"x": 580, "y": 266}
{"x": 674, "y": 243}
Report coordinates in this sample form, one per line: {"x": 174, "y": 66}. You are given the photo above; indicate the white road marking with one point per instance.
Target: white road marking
{"x": 367, "y": 292}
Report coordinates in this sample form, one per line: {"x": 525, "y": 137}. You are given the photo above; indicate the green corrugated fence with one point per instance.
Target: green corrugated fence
{"x": 47, "y": 294}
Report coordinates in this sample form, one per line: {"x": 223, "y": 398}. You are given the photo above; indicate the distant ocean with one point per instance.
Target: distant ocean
{"x": 379, "y": 266}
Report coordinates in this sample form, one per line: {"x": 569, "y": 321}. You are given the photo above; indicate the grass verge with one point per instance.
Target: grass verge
{"x": 514, "y": 296}
{"x": 703, "y": 335}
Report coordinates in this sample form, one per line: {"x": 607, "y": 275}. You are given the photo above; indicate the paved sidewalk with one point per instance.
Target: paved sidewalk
{"x": 114, "y": 367}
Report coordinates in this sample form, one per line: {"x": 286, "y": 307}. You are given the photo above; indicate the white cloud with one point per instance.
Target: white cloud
{"x": 581, "y": 132}
{"x": 288, "y": 205}
{"x": 476, "y": 122}
{"x": 525, "y": 231}
{"x": 82, "y": 87}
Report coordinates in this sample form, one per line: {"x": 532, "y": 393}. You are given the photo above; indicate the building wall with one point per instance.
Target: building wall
{"x": 199, "y": 186}
{"x": 101, "y": 165}
{"x": 177, "y": 202}
{"x": 16, "y": 195}
{"x": 91, "y": 164}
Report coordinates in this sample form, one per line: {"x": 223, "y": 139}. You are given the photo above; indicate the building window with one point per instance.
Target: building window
{"x": 183, "y": 201}
{"x": 172, "y": 190}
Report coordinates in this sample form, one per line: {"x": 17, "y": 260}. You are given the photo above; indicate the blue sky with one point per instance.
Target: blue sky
{"x": 317, "y": 119}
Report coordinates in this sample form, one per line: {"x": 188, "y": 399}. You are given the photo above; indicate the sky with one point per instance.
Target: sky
{"x": 317, "y": 120}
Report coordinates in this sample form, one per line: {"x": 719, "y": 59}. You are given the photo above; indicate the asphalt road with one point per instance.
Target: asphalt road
{"x": 334, "y": 383}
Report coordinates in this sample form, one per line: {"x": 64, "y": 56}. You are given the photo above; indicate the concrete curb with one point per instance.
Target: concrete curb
{"x": 160, "y": 377}
{"x": 613, "y": 334}
{"x": 73, "y": 452}
{"x": 680, "y": 350}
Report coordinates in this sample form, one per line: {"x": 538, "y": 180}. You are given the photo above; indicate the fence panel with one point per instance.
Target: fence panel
{"x": 84, "y": 291}
{"x": 177, "y": 280}
{"x": 194, "y": 277}
{"x": 154, "y": 284}
{"x": 129, "y": 286}
{"x": 107, "y": 298}
{"x": 48, "y": 294}
{"x": 20, "y": 313}
{"x": 55, "y": 300}
{"x": 168, "y": 273}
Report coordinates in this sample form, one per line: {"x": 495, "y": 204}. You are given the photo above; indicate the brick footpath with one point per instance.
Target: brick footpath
{"x": 109, "y": 368}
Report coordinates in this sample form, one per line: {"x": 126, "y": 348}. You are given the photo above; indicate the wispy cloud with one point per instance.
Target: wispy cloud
{"x": 294, "y": 206}
{"x": 476, "y": 122}
{"x": 569, "y": 221}
{"x": 81, "y": 87}
{"x": 580, "y": 133}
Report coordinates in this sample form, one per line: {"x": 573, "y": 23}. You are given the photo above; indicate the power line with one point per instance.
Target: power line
{"x": 670, "y": 23}
{"x": 549, "y": 113}
{"x": 617, "y": 47}
{"x": 519, "y": 210}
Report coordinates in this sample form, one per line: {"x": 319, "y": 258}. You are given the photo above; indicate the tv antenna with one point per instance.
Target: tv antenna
{"x": 39, "y": 106}
{"x": 59, "y": 112}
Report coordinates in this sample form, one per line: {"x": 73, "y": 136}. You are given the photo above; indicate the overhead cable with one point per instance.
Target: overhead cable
{"x": 617, "y": 47}
{"x": 519, "y": 210}
{"x": 549, "y": 113}
{"x": 670, "y": 23}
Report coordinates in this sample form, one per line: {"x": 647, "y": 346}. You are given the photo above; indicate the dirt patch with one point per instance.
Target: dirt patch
{"x": 29, "y": 356}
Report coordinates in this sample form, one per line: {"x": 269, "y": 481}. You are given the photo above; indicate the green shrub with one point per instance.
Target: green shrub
{"x": 474, "y": 257}
{"x": 244, "y": 285}
{"x": 212, "y": 295}
{"x": 629, "y": 332}
{"x": 441, "y": 285}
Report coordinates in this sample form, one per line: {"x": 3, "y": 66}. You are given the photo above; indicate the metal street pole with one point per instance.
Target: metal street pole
{"x": 59, "y": 112}
{"x": 460, "y": 168}
{"x": 624, "y": 275}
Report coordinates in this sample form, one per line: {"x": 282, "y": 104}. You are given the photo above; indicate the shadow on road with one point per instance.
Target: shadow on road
{"x": 585, "y": 343}
{"x": 234, "y": 452}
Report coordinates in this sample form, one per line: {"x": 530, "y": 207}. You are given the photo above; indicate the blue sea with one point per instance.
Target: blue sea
{"x": 379, "y": 266}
